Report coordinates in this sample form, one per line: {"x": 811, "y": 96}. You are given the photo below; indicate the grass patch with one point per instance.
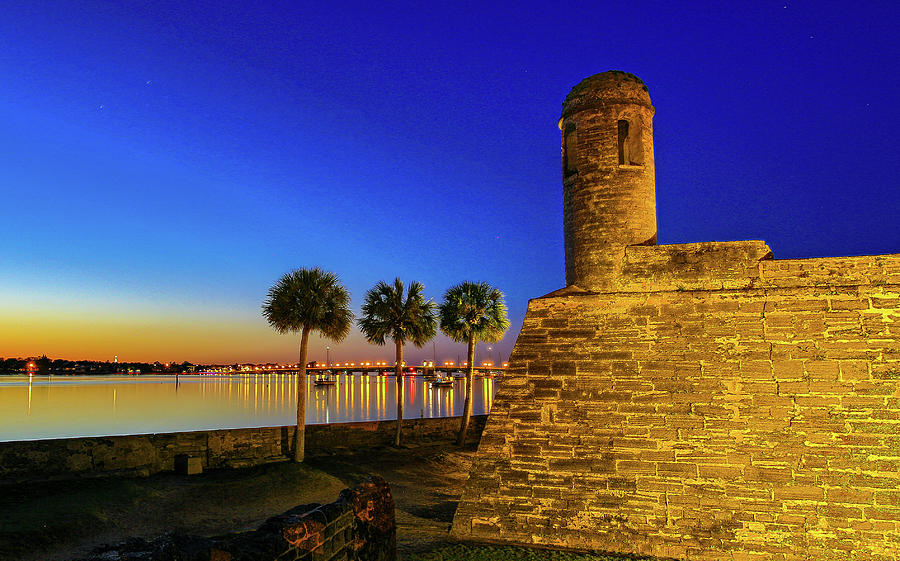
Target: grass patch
{"x": 30, "y": 506}
{"x": 466, "y": 552}
{"x": 38, "y": 515}
{"x": 56, "y": 515}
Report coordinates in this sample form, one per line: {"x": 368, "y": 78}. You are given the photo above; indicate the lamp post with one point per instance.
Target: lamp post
{"x": 327, "y": 356}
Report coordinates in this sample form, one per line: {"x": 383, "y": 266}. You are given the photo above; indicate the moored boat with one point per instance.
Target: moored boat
{"x": 442, "y": 382}
{"x": 324, "y": 381}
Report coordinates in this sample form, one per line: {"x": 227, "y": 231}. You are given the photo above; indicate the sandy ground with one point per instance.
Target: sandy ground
{"x": 65, "y": 520}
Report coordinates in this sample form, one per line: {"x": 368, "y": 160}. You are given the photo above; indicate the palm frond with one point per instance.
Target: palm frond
{"x": 389, "y": 312}
{"x": 474, "y": 309}
{"x": 309, "y": 298}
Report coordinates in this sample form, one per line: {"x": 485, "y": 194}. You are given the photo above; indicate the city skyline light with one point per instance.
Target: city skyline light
{"x": 162, "y": 165}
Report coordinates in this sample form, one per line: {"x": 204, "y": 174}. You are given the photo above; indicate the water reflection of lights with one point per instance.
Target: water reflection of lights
{"x": 28, "y": 409}
{"x": 102, "y": 405}
{"x": 449, "y": 404}
{"x": 488, "y": 393}
{"x": 352, "y": 390}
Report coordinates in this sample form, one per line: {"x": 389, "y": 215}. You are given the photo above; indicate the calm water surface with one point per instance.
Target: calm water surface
{"x": 37, "y": 407}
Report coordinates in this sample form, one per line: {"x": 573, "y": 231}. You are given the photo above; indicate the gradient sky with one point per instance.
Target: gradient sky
{"x": 163, "y": 163}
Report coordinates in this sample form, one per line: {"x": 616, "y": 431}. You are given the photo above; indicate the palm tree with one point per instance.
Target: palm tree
{"x": 387, "y": 313}
{"x": 472, "y": 312}
{"x": 308, "y": 300}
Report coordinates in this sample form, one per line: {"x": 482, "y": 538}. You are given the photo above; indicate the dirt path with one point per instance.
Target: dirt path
{"x": 426, "y": 484}
{"x": 64, "y": 520}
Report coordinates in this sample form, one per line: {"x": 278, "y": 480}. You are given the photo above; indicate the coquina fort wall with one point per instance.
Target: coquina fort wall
{"x": 695, "y": 401}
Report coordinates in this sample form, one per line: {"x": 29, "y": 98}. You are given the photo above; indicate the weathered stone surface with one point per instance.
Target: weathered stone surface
{"x": 696, "y": 401}
{"x": 695, "y": 266}
{"x": 145, "y": 454}
{"x": 608, "y": 203}
{"x": 373, "y": 508}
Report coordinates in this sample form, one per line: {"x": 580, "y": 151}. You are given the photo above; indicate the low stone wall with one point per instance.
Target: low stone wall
{"x": 146, "y": 454}
{"x": 359, "y": 526}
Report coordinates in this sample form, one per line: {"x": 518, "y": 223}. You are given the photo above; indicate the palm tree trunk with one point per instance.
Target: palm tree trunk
{"x": 300, "y": 432}
{"x": 399, "y": 375}
{"x": 467, "y": 408}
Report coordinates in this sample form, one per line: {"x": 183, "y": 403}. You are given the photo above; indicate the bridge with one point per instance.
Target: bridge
{"x": 370, "y": 368}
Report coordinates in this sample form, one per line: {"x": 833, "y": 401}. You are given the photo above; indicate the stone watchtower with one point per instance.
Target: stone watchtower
{"x": 609, "y": 193}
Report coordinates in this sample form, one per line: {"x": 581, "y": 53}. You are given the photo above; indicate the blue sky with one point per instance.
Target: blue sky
{"x": 162, "y": 164}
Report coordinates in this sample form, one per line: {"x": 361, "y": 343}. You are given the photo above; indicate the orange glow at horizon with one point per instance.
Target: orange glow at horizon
{"x": 139, "y": 338}
{"x": 206, "y": 341}
{"x": 91, "y": 326}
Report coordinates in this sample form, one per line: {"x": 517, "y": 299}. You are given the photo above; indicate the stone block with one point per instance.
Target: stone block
{"x": 799, "y": 492}
{"x": 845, "y": 495}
